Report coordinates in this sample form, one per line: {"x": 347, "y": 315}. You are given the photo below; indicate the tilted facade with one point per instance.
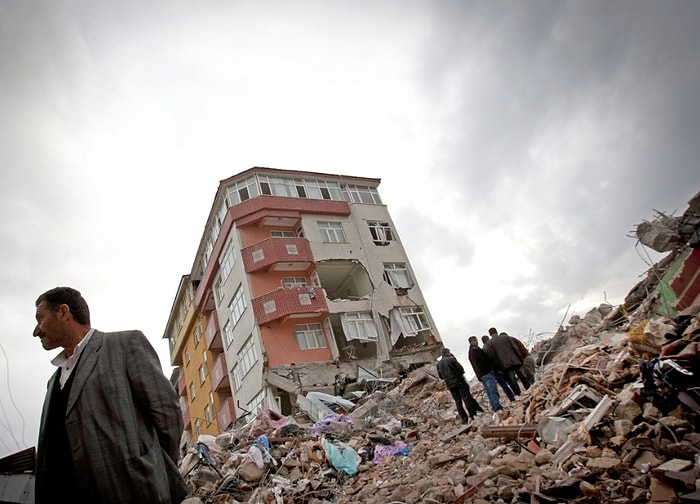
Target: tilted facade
{"x": 300, "y": 283}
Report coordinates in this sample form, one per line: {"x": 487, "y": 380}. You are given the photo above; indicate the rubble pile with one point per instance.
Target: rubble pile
{"x": 591, "y": 429}
{"x": 612, "y": 417}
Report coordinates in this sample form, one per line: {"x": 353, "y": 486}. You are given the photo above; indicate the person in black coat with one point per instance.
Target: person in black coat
{"x": 452, "y": 372}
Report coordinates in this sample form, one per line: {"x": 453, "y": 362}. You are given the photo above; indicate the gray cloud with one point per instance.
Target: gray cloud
{"x": 551, "y": 126}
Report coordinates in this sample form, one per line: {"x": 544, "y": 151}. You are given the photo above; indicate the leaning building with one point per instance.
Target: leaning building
{"x": 300, "y": 283}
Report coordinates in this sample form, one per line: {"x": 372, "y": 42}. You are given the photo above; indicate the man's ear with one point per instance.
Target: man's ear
{"x": 63, "y": 312}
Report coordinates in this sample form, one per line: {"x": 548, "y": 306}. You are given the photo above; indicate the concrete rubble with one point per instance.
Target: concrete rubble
{"x": 613, "y": 417}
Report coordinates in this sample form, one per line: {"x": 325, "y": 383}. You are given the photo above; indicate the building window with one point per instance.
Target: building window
{"x": 204, "y": 357}
{"x": 282, "y": 234}
{"x": 192, "y": 394}
{"x": 414, "y": 319}
{"x": 247, "y": 357}
{"x": 309, "y": 336}
{"x": 198, "y": 427}
{"x": 202, "y": 373}
{"x": 237, "y": 377}
{"x": 211, "y": 399}
{"x": 381, "y": 232}
{"x": 187, "y": 356}
{"x": 227, "y": 261}
{"x": 228, "y": 333}
{"x": 294, "y": 282}
{"x": 362, "y": 194}
{"x": 242, "y": 190}
{"x": 219, "y": 290}
{"x": 359, "y": 325}
{"x": 331, "y": 232}
{"x": 198, "y": 332}
{"x": 207, "y": 414}
{"x": 255, "y": 405}
{"x": 396, "y": 275}
{"x": 237, "y": 305}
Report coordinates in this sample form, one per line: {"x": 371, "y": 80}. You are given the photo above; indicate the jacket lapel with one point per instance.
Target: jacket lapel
{"x": 86, "y": 363}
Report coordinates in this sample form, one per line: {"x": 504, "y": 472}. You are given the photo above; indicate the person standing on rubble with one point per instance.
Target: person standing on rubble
{"x": 452, "y": 372}
{"x": 484, "y": 368}
{"x": 507, "y": 357}
{"x": 111, "y": 422}
{"x": 529, "y": 366}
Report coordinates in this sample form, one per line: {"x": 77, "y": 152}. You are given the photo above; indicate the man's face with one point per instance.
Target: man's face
{"x": 49, "y": 326}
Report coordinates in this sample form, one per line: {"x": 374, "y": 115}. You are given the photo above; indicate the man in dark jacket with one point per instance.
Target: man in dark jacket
{"x": 506, "y": 355}
{"x": 484, "y": 368}
{"x": 450, "y": 370}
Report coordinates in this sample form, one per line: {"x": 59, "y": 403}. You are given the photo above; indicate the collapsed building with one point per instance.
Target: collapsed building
{"x": 613, "y": 417}
{"x": 300, "y": 284}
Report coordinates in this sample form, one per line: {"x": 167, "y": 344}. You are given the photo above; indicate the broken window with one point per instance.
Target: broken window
{"x": 381, "y": 232}
{"x": 359, "y": 325}
{"x": 396, "y": 275}
{"x": 309, "y": 336}
{"x": 331, "y": 232}
{"x": 255, "y": 405}
{"x": 414, "y": 319}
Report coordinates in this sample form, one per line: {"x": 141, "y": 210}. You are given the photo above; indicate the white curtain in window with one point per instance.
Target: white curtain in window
{"x": 397, "y": 327}
{"x": 351, "y": 328}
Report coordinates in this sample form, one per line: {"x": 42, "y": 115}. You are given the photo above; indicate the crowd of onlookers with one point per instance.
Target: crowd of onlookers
{"x": 503, "y": 361}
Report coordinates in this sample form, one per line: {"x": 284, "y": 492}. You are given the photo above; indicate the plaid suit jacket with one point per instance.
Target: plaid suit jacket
{"x": 123, "y": 422}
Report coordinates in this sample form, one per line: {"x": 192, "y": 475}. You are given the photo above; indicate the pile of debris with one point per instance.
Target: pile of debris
{"x": 612, "y": 417}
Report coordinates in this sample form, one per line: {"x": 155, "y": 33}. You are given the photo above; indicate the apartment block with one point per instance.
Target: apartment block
{"x": 300, "y": 283}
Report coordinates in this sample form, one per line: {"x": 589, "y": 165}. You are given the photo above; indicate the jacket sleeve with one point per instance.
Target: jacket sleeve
{"x": 154, "y": 394}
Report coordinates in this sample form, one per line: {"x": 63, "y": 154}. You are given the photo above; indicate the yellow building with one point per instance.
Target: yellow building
{"x": 190, "y": 351}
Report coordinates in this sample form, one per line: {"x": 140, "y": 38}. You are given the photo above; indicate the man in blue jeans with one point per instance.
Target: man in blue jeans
{"x": 484, "y": 368}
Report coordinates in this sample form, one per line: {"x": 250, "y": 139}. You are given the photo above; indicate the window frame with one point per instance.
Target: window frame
{"x": 237, "y": 305}
{"x": 331, "y": 232}
{"x": 306, "y": 332}
{"x": 381, "y": 232}
{"x": 392, "y": 274}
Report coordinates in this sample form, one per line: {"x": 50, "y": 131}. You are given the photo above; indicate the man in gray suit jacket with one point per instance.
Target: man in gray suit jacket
{"x": 111, "y": 422}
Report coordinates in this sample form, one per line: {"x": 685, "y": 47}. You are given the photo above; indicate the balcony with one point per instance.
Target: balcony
{"x": 281, "y": 303}
{"x": 181, "y": 384}
{"x": 212, "y": 334}
{"x": 287, "y": 254}
{"x": 227, "y": 414}
{"x": 219, "y": 375}
{"x": 186, "y": 418}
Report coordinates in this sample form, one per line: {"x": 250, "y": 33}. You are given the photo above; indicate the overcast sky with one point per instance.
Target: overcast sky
{"x": 519, "y": 143}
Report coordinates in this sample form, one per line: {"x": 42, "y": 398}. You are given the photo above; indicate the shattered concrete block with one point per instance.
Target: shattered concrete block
{"x": 628, "y": 410}
{"x": 604, "y": 464}
{"x": 677, "y": 465}
{"x": 623, "y": 426}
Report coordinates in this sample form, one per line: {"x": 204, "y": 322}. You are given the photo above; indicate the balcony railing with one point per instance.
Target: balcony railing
{"x": 281, "y": 303}
{"x": 212, "y": 334}
{"x": 276, "y": 250}
{"x": 219, "y": 375}
{"x": 227, "y": 414}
